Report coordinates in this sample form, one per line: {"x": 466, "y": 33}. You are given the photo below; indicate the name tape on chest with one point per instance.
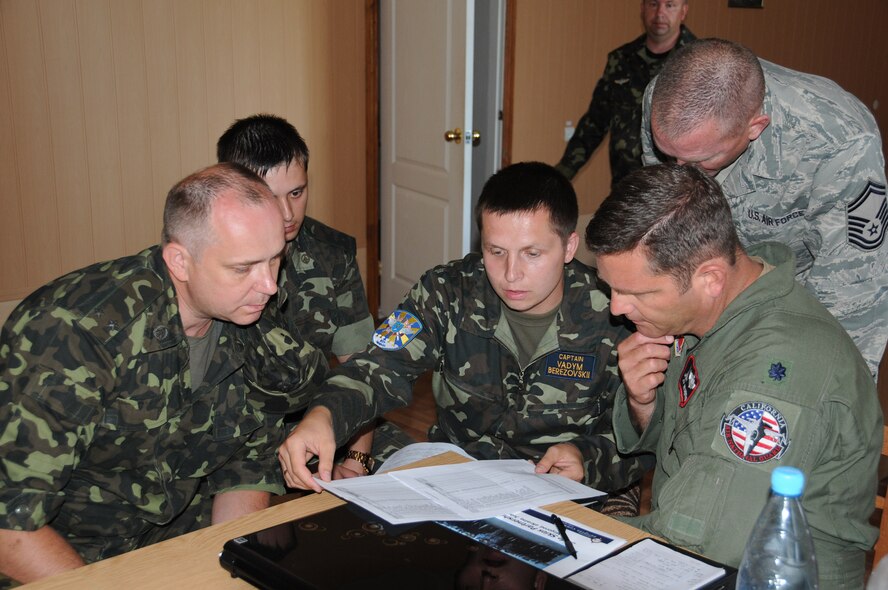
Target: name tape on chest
{"x": 397, "y": 330}
{"x": 570, "y": 365}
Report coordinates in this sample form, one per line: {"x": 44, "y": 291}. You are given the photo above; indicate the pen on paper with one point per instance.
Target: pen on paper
{"x": 563, "y": 531}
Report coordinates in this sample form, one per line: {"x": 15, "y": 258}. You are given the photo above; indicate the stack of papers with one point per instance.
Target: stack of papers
{"x": 465, "y": 491}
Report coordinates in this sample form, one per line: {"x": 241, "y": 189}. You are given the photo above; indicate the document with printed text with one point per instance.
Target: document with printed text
{"x": 465, "y": 491}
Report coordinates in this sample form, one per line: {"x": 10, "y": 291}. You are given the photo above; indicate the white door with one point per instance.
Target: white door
{"x": 426, "y": 53}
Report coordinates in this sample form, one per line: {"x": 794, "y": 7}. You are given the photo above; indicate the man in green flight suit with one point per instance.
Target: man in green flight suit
{"x": 134, "y": 392}
{"x": 519, "y": 337}
{"x": 735, "y": 369}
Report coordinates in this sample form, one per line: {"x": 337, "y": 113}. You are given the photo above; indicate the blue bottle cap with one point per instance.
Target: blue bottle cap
{"x": 788, "y": 481}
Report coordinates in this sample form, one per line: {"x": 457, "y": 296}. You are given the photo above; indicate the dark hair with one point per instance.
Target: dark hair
{"x": 708, "y": 79}
{"x": 528, "y": 187}
{"x": 186, "y": 212}
{"x": 678, "y": 214}
{"x": 262, "y": 143}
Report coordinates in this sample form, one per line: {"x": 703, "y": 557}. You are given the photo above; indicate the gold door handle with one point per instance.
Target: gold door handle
{"x": 454, "y": 135}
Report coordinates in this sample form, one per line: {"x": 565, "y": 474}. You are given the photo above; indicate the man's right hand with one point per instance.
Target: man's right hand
{"x": 643, "y": 362}
{"x": 312, "y": 437}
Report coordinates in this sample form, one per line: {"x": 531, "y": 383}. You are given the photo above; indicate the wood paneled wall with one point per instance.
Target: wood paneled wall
{"x": 562, "y": 46}
{"x": 105, "y": 104}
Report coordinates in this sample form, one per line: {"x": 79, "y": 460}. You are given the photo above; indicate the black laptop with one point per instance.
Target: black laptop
{"x": 347, "y": 547}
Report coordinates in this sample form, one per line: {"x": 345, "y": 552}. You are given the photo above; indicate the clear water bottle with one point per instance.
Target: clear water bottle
{"x": 780, "y": 553}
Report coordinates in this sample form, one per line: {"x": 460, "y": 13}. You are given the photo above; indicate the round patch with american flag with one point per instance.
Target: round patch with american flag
{"x": 397, "y": 330}
{"x": 755, "y": 432}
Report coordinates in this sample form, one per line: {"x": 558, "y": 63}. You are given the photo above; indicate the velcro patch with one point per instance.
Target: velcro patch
{"x": 688, "y": 383}
{"x": 570, "y": 365}
{"x": 755, "y": 432}
{"x": 397, "y": 330}
{"x": 867, "y": 217}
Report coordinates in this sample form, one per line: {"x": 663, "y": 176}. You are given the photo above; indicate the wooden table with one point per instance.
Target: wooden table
{"x": 192, "y": 560}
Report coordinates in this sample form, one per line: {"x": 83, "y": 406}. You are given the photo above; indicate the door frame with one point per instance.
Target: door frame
{"x": 371, "y": 121}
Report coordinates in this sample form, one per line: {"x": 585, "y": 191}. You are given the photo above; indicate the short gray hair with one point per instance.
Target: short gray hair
{"x": 189, "y": 203}
{"x": 708, "y": 79}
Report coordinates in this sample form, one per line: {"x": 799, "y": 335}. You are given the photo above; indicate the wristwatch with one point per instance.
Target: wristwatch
{"x": 366, "y": 461}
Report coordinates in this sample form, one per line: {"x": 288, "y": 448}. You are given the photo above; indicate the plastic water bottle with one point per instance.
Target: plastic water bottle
{"x": 780, "y": 553}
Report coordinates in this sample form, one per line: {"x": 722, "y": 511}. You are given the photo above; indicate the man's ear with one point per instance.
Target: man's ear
{"x": 573, "y": 241}
{"x": 178, "y": 261}
{"x": 711, "y": 276}
{"x": 757, "y": 125}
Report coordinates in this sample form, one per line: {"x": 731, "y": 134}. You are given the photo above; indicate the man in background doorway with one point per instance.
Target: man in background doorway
{"x": 616, "y": 101}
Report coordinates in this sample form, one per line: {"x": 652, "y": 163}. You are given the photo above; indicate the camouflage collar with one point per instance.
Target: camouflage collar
{"x": 482, "y": 307}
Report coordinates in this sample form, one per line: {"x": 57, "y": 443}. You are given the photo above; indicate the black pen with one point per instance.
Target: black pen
{"x": 559, "y": 524}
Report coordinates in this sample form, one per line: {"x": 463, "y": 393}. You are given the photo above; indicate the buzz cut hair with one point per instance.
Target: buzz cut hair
{"x": 708, "y": 80}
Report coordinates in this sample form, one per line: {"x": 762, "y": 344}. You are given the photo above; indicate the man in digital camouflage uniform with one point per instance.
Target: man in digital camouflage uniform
{"x": 134, "y": 406}
{"x": 735, "y": 369}
{"x": 616, "y": 101}
{"x": 321, "y": 294}
{"x": 801, "y": 163}
{"x": 519, "y": 337}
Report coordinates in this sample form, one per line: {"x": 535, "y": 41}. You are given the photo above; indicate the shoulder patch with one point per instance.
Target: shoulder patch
{"x": 867, "y": 217}
{"x": 755, "y": 432}
{"x": 397, "y": 330}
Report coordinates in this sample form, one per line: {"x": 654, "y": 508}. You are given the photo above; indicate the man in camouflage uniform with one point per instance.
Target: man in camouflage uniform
{"x": 520, "y": 340}
{"x": 321, "y": 295}
{"x": 133, "y": 404}
{"x": 616, "y": 101}
{"x": 800, "y": 161}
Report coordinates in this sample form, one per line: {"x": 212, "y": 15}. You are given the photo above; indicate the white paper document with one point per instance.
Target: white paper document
{"x": 648, "y": 565}
{"x": 465, "y": 491}
{"x": 417, "y": 452}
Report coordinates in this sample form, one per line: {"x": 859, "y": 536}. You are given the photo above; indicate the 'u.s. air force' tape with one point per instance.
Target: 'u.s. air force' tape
{"x": 397, "y": 330}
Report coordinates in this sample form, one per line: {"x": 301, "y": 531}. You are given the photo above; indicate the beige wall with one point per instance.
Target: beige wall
{"x": 104, "y": 104}
{"x": 562, "y": 45}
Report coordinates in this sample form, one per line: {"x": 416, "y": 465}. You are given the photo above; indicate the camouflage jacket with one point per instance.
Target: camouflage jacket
{"x": 815, "y": 181}
{"x": 322, "y": 296}
{"x": 486, "y": 402}
{"x": 101, "y": 434}
{"x": 616, "y": 107}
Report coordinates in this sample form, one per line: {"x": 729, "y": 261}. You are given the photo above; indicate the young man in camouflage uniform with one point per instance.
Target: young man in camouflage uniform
{"x": 616, "y": 101}
{"x": 519, "y": 337}
{"x": 321, "y": 294}
{"x": 735, "y": 369}
{"x": 132, "y": 402}
{"x": 801, "y": 163}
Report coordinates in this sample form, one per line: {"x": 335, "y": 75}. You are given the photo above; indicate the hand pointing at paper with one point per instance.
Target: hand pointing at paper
{"x": 313, "y": 437}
